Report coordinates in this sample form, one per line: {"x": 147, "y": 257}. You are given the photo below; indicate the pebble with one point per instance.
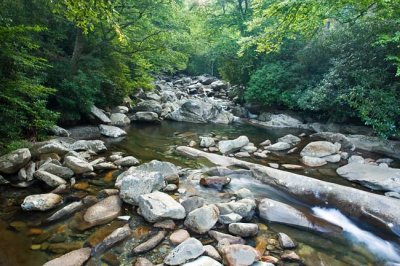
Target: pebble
{"x": 285, "y": 241}
{"x": 179, "y": 236}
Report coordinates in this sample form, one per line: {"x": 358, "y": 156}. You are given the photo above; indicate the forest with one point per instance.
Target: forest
{"x": 336, "y": 60}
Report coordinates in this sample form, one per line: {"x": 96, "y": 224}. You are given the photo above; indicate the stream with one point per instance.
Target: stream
{"x": 24, "y": 240}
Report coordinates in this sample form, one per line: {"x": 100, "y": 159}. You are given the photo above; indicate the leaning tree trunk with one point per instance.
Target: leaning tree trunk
{"x": 78, "y": 48}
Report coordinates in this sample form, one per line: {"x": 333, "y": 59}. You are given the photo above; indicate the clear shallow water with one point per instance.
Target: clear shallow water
{"x": 149, "y": 142}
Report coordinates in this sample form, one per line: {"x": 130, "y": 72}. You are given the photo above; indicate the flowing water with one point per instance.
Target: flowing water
{"x": 25, "y": 241}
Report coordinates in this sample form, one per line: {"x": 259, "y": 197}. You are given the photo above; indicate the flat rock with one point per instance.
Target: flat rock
{"x": 13, "y": 161}
{"x": 202, "y": 219}
{"x": 49, "y": 179}
{"x": 371, "y": 176}
{"x": 74, "y": 258}
{"x": 41, "y": 202}
{"x": 115, "y": 237}
{"x": 243, "y": 229}
{"x": 239, "y": 255}
{"x": 61, "y": 171}
{"x": 279, "y": 146}
{"x": 103, "y": 211}
{"x": 320, "y": 149}
{"x": 203, "y": 261}
{"x": 53, "y": 147}
{"x": 77, "y": 165}
{"x": 229, "y": 218}
{"x": 158, "y": 206}
{"x": 187, "y": 250}
{"x": 138, "y": 183}
{"x": 111, "y": 131}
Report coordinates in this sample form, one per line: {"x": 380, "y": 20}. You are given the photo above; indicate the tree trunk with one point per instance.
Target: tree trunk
{"x": 78, "y": 48}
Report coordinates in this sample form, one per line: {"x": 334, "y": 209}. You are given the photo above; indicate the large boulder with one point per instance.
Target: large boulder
{"x": 119, "y": 120}
{"x": 139, "y": 183}
{"x": 278, "y": 212}
{"x": 335, "y": 137}
{"x": 12, "y": 162}
{"x": 228, "y": 146}
{"x": 111, "y": 131}
{"x": 279, "y": 146}
{"x": 218, "y": 85}
{"x": 41, "y": 202}
{"x": 74, "y": 258}
{"x": 200, "y": 111}
{"x": 148, "y": 106}
{"x": 78, "y": 165}
{"x": 159, "y": 206}
{"x": 145, "y": 117}
{"x": 320, "y": 149}
{"x": 201, "y": 220}
{"x": 372, "y": 176}
{"x": 165, "y": 168}
{"x": 103, "y": 212}
{"x": 187, "y": 250}
{"x": 99, "y": 115}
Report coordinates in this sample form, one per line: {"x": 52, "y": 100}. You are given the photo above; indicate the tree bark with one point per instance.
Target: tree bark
{"x": 78, "y": 48}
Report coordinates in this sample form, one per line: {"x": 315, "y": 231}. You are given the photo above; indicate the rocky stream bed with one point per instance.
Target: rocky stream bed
{"x": 217, "y": 185}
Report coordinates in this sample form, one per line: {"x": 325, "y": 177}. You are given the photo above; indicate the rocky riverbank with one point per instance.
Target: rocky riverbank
{"x": 92, "y": 205}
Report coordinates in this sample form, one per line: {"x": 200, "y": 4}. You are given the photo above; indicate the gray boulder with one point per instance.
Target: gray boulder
{"x": 148, "y": 106}
{"x": 192, "y": 203}
{"x": 41, "y": 202}
{"x": 119, "y": 120}
{"x": 279, "y": 146}
{"x": 77, "y": 165}
{"x": 53, "y": 147}
{"x": 228, "y": 146}
{"x": 63, "y": 172}
{"x": 145, "y": 117}
{"x": 389, "y": 148}
{"x": 201, "y": 220}
{"x": 187, "y": 250}
{"x": 85, "y": 145}
{"x": 206, "y": 142}
{"x": 320, "y": 149}
{"x": 59, "y": 131}
{"x": 99, "y": 115}
{"x": 243, "y": 229}
{"x": 127, "y": 161}
{"x": 313, "y": 161}
{"x": 111, "y": 131}
{"x": 280, "y": 121}
{"x": 371, "y": 176}
{"x": 139, "y": 183}
{"x": 159, "y": 206}
{"x": 13, "y": 161}
{"x": 49, "y": 179}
